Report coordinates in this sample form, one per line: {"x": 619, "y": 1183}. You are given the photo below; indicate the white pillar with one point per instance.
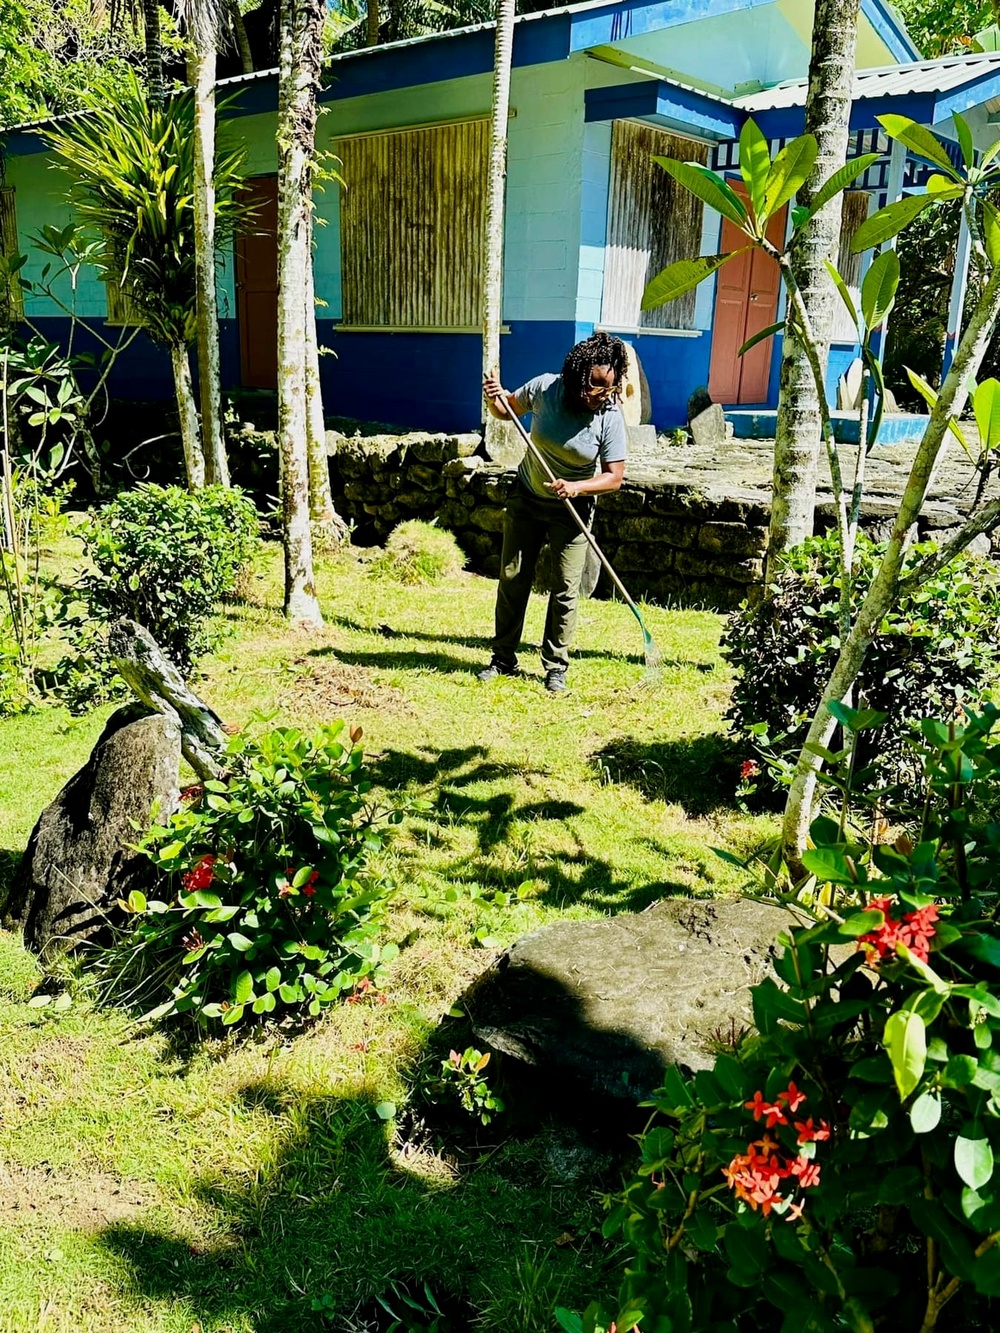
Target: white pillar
{"x": 959, "y": 286}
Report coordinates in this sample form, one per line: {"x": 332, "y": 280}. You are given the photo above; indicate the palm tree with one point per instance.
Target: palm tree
{"x": 798, "y": 429}
{"x": 301, "y": 54}
{"x": 131, "y": 168}
{"x": 146, "y": 13}
{"x": 203, "y": 22}
{"x": 493, "y": 258}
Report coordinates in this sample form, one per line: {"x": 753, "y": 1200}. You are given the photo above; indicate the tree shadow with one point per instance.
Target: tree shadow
{"x": 699, "y": 774}
{"x": 303, "y": 1239}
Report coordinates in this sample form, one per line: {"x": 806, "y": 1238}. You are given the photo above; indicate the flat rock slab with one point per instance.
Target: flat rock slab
{"x": 611, "y": 1004}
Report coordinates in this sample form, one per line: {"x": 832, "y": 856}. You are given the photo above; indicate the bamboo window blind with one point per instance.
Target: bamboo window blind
{"x": 652, "y": 221}
{"x": 11, "y": 294}
{"x": 412, "y": 219}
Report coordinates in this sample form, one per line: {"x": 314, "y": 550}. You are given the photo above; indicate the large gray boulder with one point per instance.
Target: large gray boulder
{"x": 78, "y": 860}
{"x": 609, "y": 1005}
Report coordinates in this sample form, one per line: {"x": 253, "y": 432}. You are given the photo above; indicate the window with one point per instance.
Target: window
{"x": 11, "y": 295}
{"x": 856, "y": 204}
{"x": 411, "y": 233}
{"x": 652, "y": 221}
{"x": 122, "y": 310}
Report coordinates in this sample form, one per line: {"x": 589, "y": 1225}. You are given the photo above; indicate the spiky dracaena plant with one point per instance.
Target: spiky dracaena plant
{"x": 131, "y": 170}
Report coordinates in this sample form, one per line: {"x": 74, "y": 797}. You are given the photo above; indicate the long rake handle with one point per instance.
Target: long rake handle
{"x": 512, "y": 416}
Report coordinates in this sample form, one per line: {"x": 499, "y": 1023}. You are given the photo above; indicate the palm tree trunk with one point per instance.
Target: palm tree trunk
{"x": 155, "y": 88}
{"x": 495, "y": 195}
{"x": 321, "y": 510}
{"x": 798, "y": 430}
{"x": 298, "y": 79}
{"x": 203, "y": 62}
{"x": 372, "y": 23}
{"x": 194, "y": 458}
{"x": 235, "y": 16}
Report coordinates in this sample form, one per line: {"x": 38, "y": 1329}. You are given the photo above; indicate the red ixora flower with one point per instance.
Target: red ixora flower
{"x": 201, "y": 874}
{"x": 749, "y": 769}
{"x": 914, "y": 929}
{"x": 309, "y": 888}
{"x": 193, "y": 792}
{"x": 766, "y": 1176}
{"x": 774, "y": 1113}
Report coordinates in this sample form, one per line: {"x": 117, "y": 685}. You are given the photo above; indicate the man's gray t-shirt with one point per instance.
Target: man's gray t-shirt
{"x": 571, "y": 442}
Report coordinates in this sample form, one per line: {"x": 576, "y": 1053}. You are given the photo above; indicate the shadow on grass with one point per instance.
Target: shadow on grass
{"x": 700, "y": 774}
{"x": 482, "y": 643}
{"x": 305, "y": 1241}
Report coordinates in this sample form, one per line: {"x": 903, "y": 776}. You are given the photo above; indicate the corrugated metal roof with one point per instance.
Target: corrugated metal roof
{"x": 923, "y": 76}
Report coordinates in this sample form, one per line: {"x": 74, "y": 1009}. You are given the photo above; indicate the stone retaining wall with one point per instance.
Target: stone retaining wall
{"x": 667, "y": 540}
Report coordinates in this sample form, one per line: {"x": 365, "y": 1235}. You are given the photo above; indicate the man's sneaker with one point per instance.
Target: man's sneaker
{"x": 497, "y": 668}
{"x": 555, "y": 682}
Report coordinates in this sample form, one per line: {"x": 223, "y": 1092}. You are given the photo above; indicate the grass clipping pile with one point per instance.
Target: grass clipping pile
{"x": 417, "y": 552}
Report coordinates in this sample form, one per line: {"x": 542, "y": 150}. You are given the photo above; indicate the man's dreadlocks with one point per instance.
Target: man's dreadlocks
{"x": 600, "y": 349}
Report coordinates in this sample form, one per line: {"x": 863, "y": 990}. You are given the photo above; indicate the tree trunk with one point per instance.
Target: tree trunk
{"x": 885, "y": 585}
{"x": 203, "y": 62}
{"x": 194, "y": 458}
{"x": 298, "y": 79}
{"x": 321, "y": 510}
{"x": 495, "y": 195}
{"x": 798, "y": 430}
{"x": 372, "y": 23}
{"x": 235, "y": 16}
{"x": 155, "y": 89}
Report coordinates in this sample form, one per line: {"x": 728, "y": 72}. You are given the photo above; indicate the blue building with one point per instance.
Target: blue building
{"x": 597, "y": 89}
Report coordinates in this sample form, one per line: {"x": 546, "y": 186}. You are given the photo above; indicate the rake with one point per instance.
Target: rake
{"x": 653, "y": 657}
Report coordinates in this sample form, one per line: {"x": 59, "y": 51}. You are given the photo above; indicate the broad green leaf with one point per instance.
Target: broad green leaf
{"x": 878, "y": 291}
{"x": 925, "y": 1113}
{"x": 929, "y": 395}
{"x": 239, "y": 942}
{"x": 136, "y": 901}
{"x": 856, "y": 719}
{"x": 837, "y": 182}
{"x": 232, "y": 1015}
{"x": 905, "y": 1040}
{"x": 759, "y": 337}
{"x": 920, "y": 139}
{"x": 861, "y": 923}
{"x": 680, "y": 277}
{"x": 991, "y": 232}
{"x": 243, "y": 989}
{"x": 974, "y": 1161}
{"x": 710, "y": 188}
{"x": 845, "y": 293}
{"x": 385, "y": 1110}
{"x": 986, "y": 406}
{"x": 964, "y": 136}
{"x": 755, "y": 163}
{"x": 789, "y": 172}
{"x": 829, "y": 865}
{"x": 889, "y": 221}
{"x": 273, "y": 979}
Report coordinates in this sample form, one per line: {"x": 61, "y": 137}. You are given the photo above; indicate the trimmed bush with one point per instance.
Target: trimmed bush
{"x": 164, "y": 557}
{"x": 418, "y": 552}
{"x": 938, "y": 648}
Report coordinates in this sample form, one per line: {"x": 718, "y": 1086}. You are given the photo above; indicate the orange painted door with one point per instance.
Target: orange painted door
{"x": 257, "y": 287}
{"x": 746, "y": 301}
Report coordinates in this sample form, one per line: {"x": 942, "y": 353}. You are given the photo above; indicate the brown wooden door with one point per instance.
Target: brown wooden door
{"x": 746, "y": 301}
{"x": 257, "y": 287}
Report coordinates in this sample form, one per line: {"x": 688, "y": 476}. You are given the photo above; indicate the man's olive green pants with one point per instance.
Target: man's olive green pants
{"x": 530, "y": 522}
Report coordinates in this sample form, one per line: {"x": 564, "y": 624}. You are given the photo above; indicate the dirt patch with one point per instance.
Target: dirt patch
{"x": 326, "y": 684}
{"x": 86, "y": 1203}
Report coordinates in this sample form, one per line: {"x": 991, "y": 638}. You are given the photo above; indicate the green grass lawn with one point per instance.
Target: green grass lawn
{"x": 149, "y": 1187}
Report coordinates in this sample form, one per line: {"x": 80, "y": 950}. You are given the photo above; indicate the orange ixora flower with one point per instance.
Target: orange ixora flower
{"x": 766, "y": 1177}
{"x": 914, "y": 929}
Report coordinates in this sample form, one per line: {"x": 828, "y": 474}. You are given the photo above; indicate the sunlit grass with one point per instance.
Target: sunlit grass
{"x": 253, "y": 1187}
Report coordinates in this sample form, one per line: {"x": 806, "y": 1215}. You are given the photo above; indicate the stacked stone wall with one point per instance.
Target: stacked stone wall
{"x": 668, "y": 541}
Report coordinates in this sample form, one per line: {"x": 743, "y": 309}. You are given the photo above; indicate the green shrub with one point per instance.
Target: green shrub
{"x": 417, "y": 552}
{"x": 937, "y": 647}
{"x": 164, "y": 557}
{"x": 272, "y": 907}
{"x": 836, "y": 1168}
